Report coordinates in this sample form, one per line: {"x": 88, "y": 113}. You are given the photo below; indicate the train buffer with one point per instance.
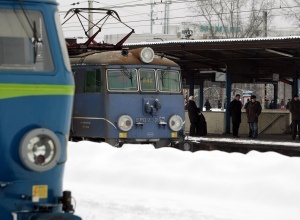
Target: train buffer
{"x": 280, "y": 143}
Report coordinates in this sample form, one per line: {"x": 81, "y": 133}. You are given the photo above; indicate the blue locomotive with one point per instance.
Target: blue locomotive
{"x": 127, "y": 96}
{"x": 36, "y": 98}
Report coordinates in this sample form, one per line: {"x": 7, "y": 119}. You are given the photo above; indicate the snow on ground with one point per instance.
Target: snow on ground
{"x": 144, "y": 183}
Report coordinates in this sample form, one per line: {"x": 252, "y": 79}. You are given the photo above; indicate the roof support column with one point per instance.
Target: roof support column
{"x": 275, "y": 95}
{"x": 295, "y": 86}
{"x": 200, "y": 94}
{"x": 192, "y": 84}
{"x": 228, "y": 97}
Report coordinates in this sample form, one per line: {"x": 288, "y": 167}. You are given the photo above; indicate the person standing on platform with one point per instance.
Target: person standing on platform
{"x": 235, "y": 111}
{"x": 295, "y": 110}
{"x": 193, "y": 112}
{"x": 253, "y": 111}
{"x": 288, "y": 104}
{"x": 271, "y": 106}
{"x": 245, "y": 107}
{"x": 207, "y": 105}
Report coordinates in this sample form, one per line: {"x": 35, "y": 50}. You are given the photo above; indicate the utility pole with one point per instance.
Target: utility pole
{"x": 90, "y": 18}
{"x": 151, "y": 16}
{"x": 166, "y": 17}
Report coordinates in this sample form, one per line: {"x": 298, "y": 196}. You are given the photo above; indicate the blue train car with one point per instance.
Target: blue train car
{"x": 127, "y": 97}
{"x": 36, "y": 98}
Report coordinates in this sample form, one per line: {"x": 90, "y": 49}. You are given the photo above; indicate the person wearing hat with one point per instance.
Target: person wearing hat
{"x": 235, "y": 111}
{"x": 288, "y": 104}
{"x": 253, "y": 111}
{"x": 193, "y": 112}
{"x": 295, "y": 111}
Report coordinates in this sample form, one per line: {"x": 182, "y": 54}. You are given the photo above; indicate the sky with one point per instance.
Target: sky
{"x": 137, "y": 16}
{"x": 139, "y": 182}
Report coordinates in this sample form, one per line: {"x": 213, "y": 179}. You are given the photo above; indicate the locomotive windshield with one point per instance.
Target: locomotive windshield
{"x": 122, "y": 80}
{"x": 27, "y": 33}
{"x": 168, "y": 81}
{"x": 145, "y": 80}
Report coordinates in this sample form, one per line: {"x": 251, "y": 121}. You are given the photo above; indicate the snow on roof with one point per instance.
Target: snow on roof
{"x": 217, "y": 40}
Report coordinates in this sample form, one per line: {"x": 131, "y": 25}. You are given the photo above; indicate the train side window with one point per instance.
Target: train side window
{"x": 122, "y": 80}
{"x": 92, "y": 81}
{"x": 24, "y": 42}
{"x": 147, "y": 80}
{"x": 79, "y": 80}
{"x": 169, "y": 81}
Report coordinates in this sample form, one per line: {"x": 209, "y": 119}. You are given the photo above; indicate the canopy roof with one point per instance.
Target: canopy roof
{"x": 246, "y": 59}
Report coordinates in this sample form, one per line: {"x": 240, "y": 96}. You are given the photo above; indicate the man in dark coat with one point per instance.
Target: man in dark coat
{"x": 295, "y": 110}
{"x": 288, "y": 104}
{"x": 245, "y": 107}
{"x": 193, "y": 112}
{"x": 235, "y": 111}
{"x": 207, "y": 105}
{"x": 253, "y": 111}
{"x": 271, "y": 106}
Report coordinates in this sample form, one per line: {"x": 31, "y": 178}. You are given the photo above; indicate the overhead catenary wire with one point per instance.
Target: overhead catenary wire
{"x": 176, "y": 20}
{"x": 212, "y": 14}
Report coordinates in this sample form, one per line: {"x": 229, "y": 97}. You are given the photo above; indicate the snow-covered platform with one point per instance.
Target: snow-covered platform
{"x": 282, "y": 144}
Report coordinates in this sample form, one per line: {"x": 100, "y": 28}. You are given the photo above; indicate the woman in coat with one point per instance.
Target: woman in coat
{"x": 235, "y": 111}
{"x": 193, "y": 112}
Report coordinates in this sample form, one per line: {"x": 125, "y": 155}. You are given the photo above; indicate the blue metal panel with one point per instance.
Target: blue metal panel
{"x": 20, "y": 114}
{"x": 132, "y": 105}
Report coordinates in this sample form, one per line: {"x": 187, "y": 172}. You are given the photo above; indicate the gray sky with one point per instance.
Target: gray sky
{"x": 137, "y": 16}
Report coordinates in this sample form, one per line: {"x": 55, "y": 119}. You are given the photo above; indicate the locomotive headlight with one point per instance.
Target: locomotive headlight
{"x": 175, "y": 122}
{"x": 40, "y": 150}
{"x": 147, "y": 55}
{"x": 125, "y": 122}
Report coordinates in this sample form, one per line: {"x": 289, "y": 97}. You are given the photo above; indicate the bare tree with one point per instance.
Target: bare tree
{"x": 231, "y": 18}
{"x": 292, "y": 10}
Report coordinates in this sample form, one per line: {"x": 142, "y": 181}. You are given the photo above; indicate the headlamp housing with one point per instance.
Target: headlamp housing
{"x": 147, "y": 55}
{"x": 125, "y": 122}
{"x": 175, "y": 122}
{"x": 40, "y": 150}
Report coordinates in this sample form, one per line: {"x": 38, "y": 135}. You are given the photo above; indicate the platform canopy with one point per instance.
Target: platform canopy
{"x": 248, "y": 60}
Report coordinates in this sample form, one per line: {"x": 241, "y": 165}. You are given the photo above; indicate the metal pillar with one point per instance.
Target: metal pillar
{"x": 295, "y": 86}
{"x": 228, "y": 97}
{"x": 275, "y": 95}
{"x": 90, "y": 24}
{"x": 200, "y": 95}
{"x": 192, "y": 85}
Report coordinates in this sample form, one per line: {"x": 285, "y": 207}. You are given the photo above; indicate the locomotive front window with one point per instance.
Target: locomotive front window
{"x": 147, "y": 80}
{"x": 169, "y": 81}
{"x": 25, "y": 31}
{"x": 122, "y": 80}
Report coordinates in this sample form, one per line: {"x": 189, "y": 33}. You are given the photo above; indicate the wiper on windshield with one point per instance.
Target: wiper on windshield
{"x": 37, "y": 41}
{"x": 127, "y": 73}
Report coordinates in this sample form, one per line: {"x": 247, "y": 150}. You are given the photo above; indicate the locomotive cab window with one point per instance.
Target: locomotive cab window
{"x": 169, "y": 81}
{"x": 92, "y": 81}
{"x": 26, "y": 30}
{"x": 122, "y": 80}
{"x": 147, "y": 80}
{"x": 87, "y": 81}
